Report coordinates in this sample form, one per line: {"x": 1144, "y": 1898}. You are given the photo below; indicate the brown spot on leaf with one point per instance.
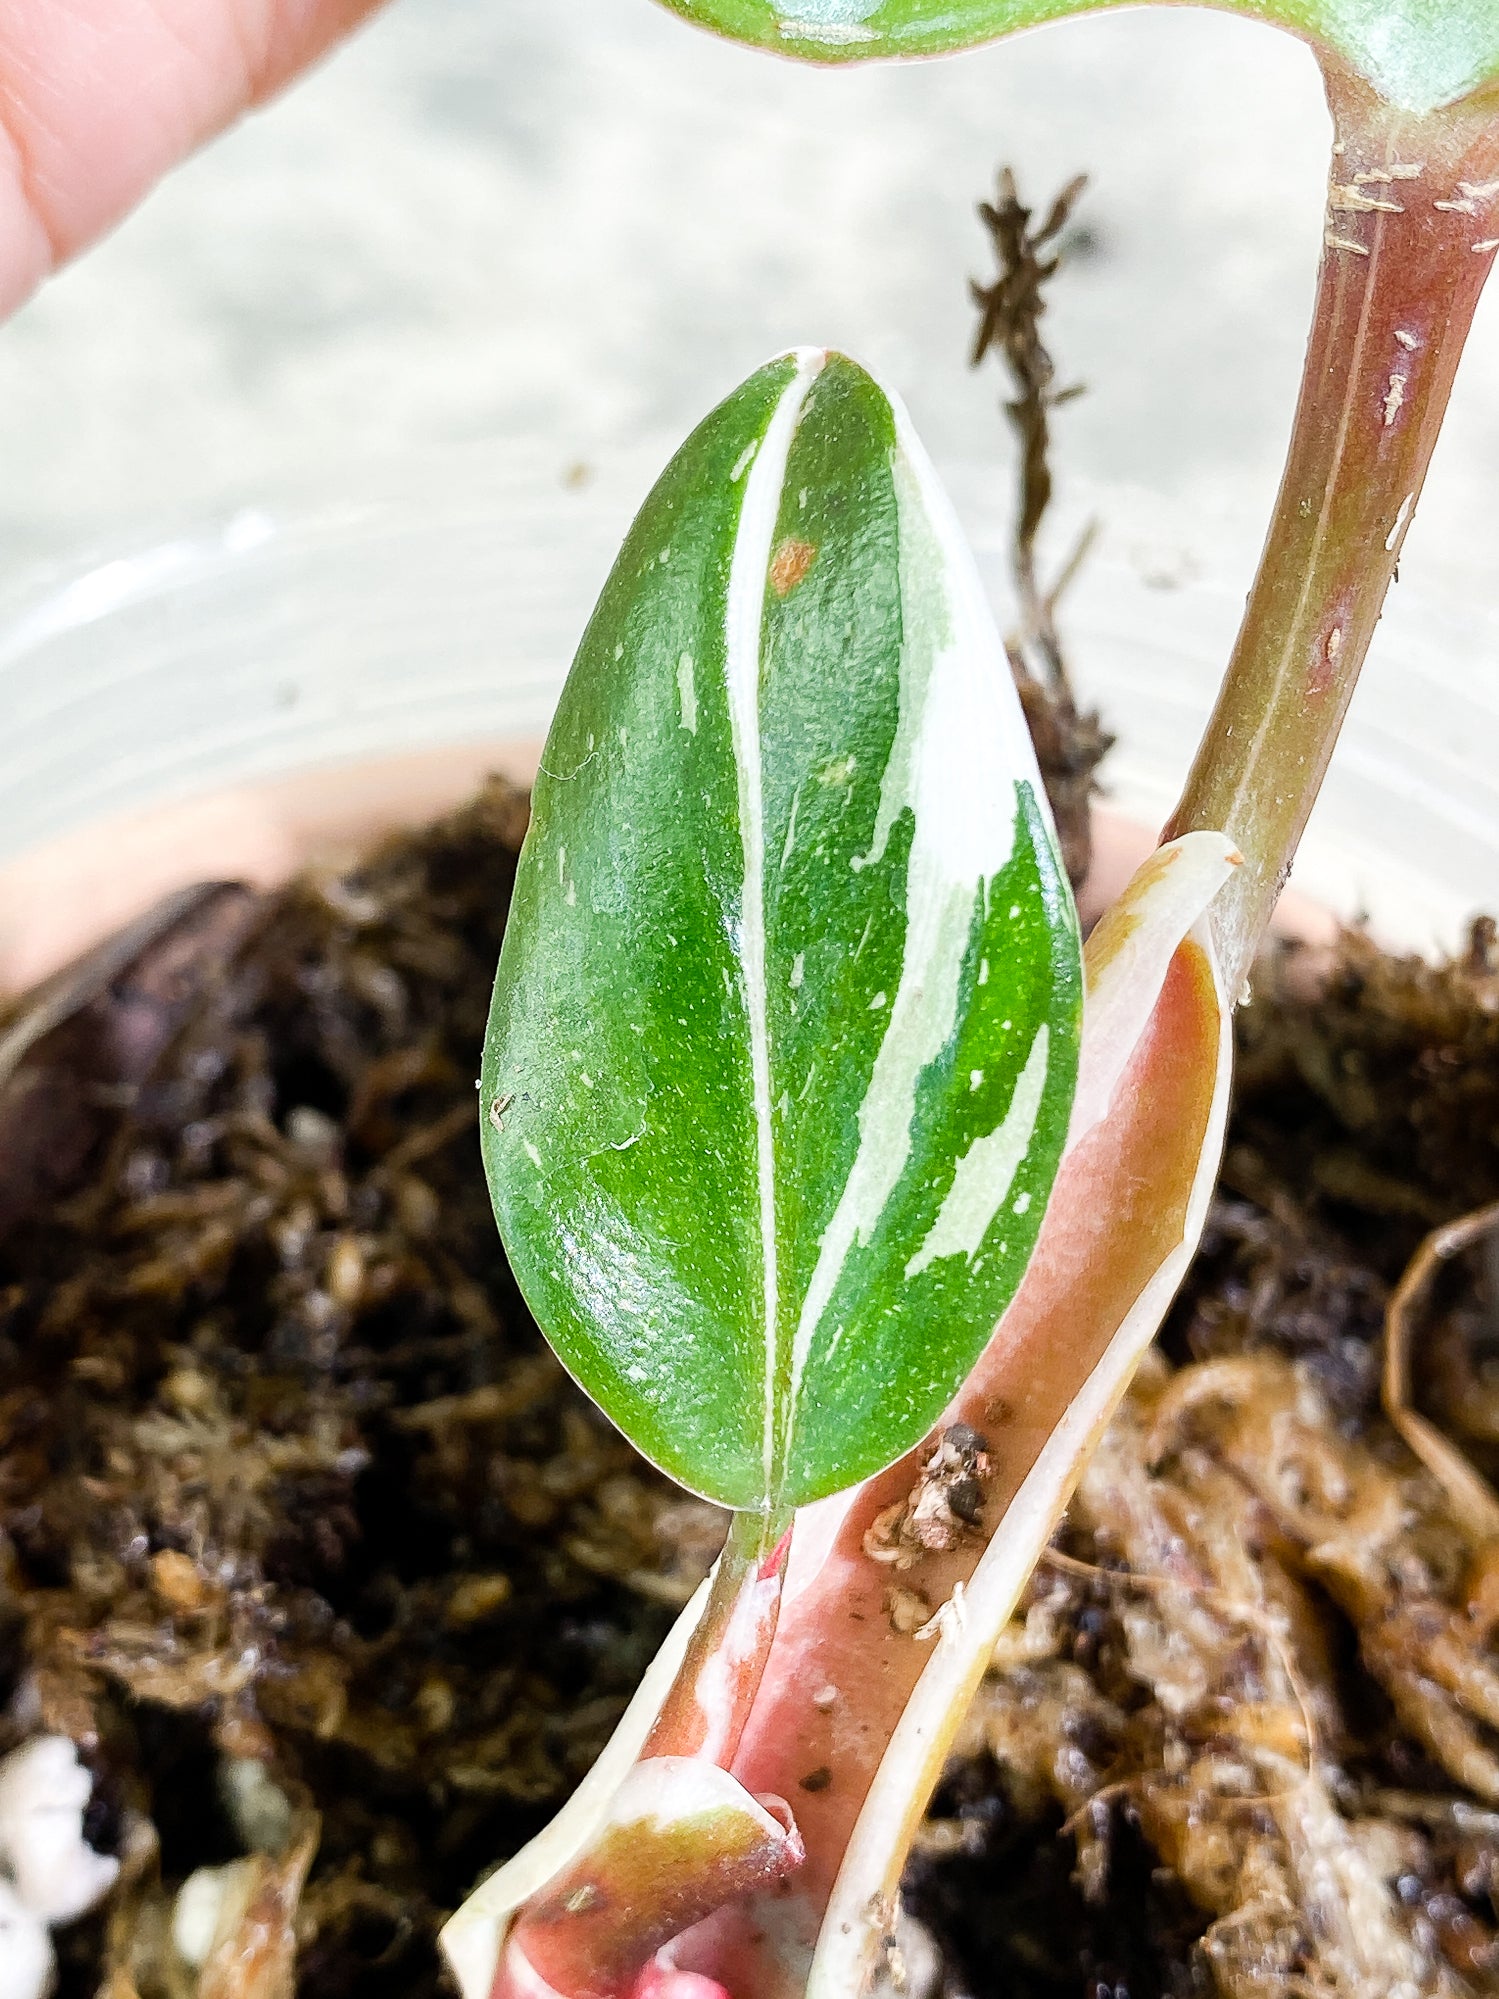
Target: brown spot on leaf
{"x": 790, "y": 564}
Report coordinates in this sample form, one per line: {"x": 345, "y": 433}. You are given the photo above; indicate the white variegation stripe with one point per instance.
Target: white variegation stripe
{"x": 749, "y": 569}
{"x": 986, "y": 1172}
{"x": 960, "y": 734}
{"x": 829, "y": 20}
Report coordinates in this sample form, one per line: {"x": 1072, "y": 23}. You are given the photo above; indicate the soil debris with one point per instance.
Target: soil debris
{"x": 908, "y": 1610}
{"x": 944, "y": 1507}
{"x": 339, "y": 1585}
{"x": 306, "y": 1541}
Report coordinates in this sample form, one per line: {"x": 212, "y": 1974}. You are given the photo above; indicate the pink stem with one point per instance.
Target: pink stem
{"x": 683, "y": 1841}
{"x": 710, "y": 1701}
{"x": 683, "y": 1838}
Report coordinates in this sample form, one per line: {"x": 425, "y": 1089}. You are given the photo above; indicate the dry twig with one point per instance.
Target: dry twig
{"x": 1069, "y": 745}
{"x": 1010, "y": 312}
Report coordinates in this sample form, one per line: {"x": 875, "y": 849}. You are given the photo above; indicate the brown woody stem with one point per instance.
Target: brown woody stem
{"x": 1412, "y": 226}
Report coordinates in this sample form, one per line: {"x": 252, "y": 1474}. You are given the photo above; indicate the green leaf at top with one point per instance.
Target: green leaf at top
{"x": 1416, "y": 54}
{"x": 784, "y": 1034}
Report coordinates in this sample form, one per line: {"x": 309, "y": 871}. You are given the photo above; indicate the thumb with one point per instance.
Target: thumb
{"x": 98, "y": 98}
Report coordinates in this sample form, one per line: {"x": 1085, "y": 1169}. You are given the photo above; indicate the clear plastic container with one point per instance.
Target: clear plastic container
{"x": 248, "y": 692}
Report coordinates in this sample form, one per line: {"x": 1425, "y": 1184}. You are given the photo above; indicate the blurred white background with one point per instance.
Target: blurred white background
{"x": 414, "y": 339}
{"x": 577, "y": 220}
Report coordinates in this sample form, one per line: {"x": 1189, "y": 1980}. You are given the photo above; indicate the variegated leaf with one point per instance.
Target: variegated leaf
{"x": 784, "y": 1036}
{"x": 1415, "y": 54}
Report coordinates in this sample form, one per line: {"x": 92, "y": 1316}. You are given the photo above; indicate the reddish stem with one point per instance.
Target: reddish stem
{"x": 1412, "y": 226}
{"x": 710, "y": 1700}
{"x": 683, "y": 1839}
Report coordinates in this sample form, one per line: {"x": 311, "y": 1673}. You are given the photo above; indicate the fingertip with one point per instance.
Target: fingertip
{"x": 100, "y": 98}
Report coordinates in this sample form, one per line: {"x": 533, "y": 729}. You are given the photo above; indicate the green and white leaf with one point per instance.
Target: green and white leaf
{"x": 784, "y": 1036}
{"x": 1416, "y": 54}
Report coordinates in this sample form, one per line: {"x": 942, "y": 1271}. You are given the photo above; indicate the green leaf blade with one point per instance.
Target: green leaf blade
{"x": 617, "y": 1030}
{"x": 1416, "y": 54}
{"x": 787, "y": 1010}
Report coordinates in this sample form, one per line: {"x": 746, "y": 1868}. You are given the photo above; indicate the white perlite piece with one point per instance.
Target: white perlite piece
{"x": 261, "y": 1810}
{"x": 51, "y": 1874}
{"x": 25, "y": 1949}
{"x": 208, "y": 1909}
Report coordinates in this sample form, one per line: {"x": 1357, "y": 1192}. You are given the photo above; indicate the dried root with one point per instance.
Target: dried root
{"x": 1470, "y": 1495}
{"x": 1070, "y": 743}
{"x": 1178, "y": 1667}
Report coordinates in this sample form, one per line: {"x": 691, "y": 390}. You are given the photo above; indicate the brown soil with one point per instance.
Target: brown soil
{"x": 307, "y": 1541}
{"x": 287, "y": 1477}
